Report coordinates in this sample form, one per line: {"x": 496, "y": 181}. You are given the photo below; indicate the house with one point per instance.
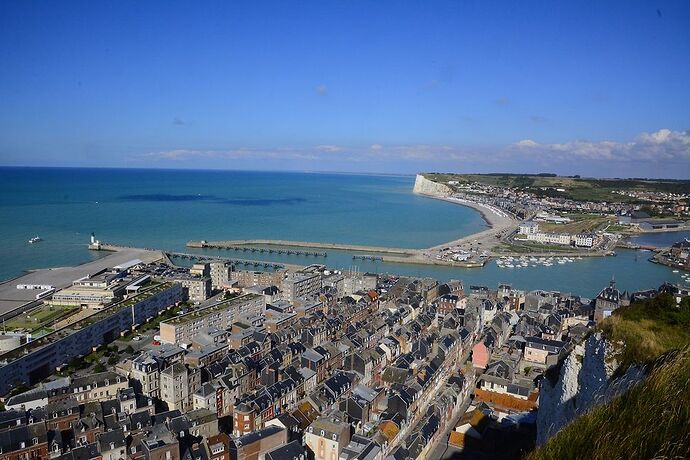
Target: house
{"x": 113, "y": 445}
{"x": 542, "y": 351}
{"x": 326, "y": 437}
{"x": 217, "y": 447}
{"x": 480, "y": 355}
{"x": 97, "y": 387}
{"x": 363, "y": 403}
{"x": 361, "y": 448}
{"x": 290, "y": 451}
{"x": 24, "y": 442}
{"x": 608, "y": 300}
{"x": 255, "y": 445}
{"x": 178, "y": 383}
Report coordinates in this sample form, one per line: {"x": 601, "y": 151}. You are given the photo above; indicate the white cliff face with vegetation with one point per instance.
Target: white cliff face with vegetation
{"x": 424, "y": 186}
{"x": 585, "y": 380}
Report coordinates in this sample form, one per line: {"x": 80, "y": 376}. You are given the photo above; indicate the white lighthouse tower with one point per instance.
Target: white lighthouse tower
{"x": 95, "y": 244}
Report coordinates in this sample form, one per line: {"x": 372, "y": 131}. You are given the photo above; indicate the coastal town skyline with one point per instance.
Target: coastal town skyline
{"x": 348, "y": 87}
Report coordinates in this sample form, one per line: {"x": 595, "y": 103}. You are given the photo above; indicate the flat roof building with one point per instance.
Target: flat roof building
{"x": 221, "y": 315}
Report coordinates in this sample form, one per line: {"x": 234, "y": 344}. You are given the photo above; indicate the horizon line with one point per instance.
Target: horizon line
{"x": 346, "y": 173}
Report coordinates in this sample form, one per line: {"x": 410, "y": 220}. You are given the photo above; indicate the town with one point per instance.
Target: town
{"x": 550, "y": 216}
{"x": 147, "y": 360}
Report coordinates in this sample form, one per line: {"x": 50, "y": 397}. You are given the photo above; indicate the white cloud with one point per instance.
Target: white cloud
{"x": 329, "y": 148}
{"x": 659, "y": 153}
{"x": 660, "y": 145}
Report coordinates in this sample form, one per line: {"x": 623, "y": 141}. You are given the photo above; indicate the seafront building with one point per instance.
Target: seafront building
{"x": 98, "y": 291}
{"x": 37, "y": 359}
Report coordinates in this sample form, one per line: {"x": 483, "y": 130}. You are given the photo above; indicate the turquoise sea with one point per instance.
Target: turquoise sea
{"x": 166, "y": 208}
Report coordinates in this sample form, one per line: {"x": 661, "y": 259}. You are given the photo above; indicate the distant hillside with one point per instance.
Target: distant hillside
{"x": 576, "y": 188}
{"x": 652, "y": 419}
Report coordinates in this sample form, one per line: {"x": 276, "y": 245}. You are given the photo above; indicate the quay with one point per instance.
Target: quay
{"x": 300, "y": 244}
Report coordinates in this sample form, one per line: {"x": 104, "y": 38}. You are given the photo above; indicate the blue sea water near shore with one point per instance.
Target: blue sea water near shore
{"x": 166, "y": 208}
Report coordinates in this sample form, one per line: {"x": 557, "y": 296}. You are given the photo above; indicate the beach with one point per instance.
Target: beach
{"x": 499, "y": 222}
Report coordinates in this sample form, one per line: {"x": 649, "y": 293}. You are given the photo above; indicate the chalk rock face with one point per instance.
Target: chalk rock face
{"x": 584, "y": 381}
{"x": 424, "y": 186}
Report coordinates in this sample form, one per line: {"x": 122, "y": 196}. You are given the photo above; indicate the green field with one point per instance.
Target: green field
{"x": 40, "y": 317}
{"x": 576, "y": 188}
{"x": 579, "y": 223}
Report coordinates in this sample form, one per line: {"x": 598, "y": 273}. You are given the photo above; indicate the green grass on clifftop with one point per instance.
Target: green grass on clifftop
{"x": 652, "y": 420}
{"x": 647, "y": 329}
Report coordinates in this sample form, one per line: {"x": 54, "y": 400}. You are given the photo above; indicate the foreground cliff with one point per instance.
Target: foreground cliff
{"x": 648, "y": 421}
{"x": 585, "y": 380}
{"x": 608, "y": 398}
{"x": 424, "y": 186}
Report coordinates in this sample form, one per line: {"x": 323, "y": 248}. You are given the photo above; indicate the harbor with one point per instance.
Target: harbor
{"x": 360, "y": 252}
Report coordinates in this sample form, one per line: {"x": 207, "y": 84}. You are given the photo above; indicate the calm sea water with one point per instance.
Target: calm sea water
{"x": 166, "y": 208}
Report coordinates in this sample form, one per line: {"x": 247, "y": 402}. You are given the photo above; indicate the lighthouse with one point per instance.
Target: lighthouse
{"x": 94, "y": 244}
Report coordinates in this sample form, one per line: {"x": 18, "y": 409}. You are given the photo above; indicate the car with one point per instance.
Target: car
{"x": 156, "y": 342}
{"x": 136, "y": 338}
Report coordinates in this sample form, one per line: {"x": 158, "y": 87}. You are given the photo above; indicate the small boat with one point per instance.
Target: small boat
{"x": 675, "y": 271}
{"x": 35, "y": 239}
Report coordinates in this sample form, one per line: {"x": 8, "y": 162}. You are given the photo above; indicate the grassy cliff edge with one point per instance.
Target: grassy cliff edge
{"x": 652, "y": 419}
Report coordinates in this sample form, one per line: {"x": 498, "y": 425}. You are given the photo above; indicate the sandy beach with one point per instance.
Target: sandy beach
{"x": 497, "y": 220}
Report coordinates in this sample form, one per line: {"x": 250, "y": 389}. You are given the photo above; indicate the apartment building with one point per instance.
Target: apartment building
{"x": 178, "y": 383}
{"x": 220, "y": 316}
{"x": 300, "y": 285}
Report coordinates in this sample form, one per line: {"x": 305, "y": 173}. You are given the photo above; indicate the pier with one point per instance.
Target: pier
{"x": 279, "y": 244}
{"x": 369, "y": 257}
{"x": 271, "y": 250}
{"x": 244, "y": 262}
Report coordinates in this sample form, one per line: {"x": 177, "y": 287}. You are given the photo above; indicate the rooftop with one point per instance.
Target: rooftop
{"x": 154, "y": 289}
{"x": 203, "y": 312}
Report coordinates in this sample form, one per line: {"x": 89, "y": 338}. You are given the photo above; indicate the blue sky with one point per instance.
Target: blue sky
{"x": 596, "y": 88}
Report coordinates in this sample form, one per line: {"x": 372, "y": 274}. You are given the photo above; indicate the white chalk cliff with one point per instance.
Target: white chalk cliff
{"x": 424, "y": 186}
{"x": 585, "y": 380}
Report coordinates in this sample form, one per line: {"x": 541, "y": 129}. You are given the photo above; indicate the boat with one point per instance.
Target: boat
{"x": 35, "y": 239}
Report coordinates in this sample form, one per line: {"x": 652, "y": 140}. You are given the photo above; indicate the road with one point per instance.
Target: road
{"x": 441, "y": 451}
